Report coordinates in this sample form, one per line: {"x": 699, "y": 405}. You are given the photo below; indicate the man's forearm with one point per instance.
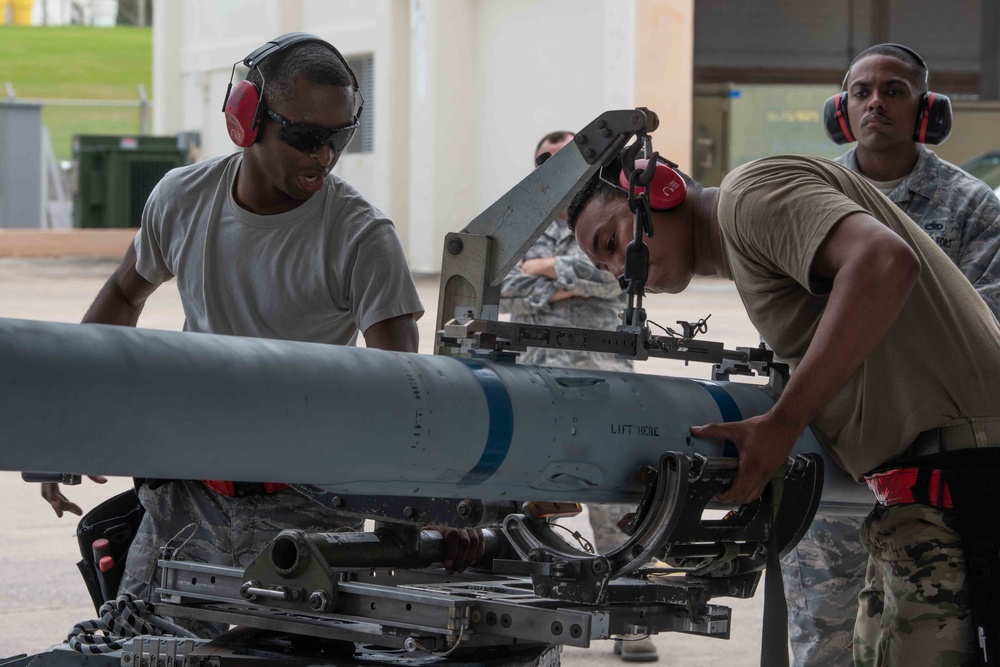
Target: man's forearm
{"x": 121, "y": 299}
{"x": 561, "y": 295}
{"x": 112, "y": 307}
{"x": 397, "y": 334}
{"x": 540, "y": 266}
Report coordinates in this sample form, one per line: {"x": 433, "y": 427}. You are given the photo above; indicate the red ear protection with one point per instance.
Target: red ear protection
{"x": 835, "y": 121}
{"x": 933, "y": 122}
{"x": 242, "y": 117}
{"x": 933, "y": 119}
{"x": 243, "y": 105}
{"x": 667, "y": 189}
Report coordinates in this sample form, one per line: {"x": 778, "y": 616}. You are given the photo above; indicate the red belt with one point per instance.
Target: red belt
{"x": 906, "y": 486}
{"x": 241, "y": 489}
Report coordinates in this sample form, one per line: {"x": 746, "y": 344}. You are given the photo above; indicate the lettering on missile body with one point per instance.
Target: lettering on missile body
{"x": 636, "y": 429}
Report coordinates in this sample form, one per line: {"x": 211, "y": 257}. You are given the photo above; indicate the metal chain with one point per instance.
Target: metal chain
{"x": 637, "y": 253}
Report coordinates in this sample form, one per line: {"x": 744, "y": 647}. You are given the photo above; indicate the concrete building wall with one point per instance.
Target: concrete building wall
{"x": 544, "y": 66}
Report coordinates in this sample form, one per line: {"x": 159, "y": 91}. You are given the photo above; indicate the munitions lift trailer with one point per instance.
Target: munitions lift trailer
{"x": 382, "y": 598}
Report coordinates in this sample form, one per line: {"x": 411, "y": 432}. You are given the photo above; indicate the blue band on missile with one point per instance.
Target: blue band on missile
{"x": 501, "y": 429}
{"x": 727, "y": 406}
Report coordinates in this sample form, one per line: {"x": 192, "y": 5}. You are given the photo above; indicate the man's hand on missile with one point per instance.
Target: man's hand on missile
{"x": 763, "y": 444}
{"x": 60, "y": 503}
{"x": 462, "y": 547}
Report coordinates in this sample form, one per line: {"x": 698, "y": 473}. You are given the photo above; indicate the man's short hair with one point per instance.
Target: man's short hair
{"x": 918, "y": 70}
{"x": 554, "y": 138}
{"x": 312, "y": 61}
{"x": 595, "y": 189}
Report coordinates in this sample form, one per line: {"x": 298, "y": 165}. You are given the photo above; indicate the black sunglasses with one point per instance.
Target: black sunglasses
{"x": 310, "y": 138}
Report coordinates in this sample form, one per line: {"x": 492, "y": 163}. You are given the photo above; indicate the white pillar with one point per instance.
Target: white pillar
{"x": 442, "y": 125}
{"x": 168, "y": 30}
{"x": 392, "y": 138}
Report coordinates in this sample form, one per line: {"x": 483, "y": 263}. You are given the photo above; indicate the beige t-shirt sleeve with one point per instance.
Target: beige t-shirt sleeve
{"x": 781, "y": 217}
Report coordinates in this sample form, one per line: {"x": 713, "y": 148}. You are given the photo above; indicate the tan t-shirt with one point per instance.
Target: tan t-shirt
{"x": 940, "y": 360}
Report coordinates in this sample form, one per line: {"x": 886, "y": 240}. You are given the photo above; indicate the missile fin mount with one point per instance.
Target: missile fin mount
{"x": 718, "y": 557}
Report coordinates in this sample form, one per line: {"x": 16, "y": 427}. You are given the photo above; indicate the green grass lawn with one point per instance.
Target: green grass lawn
{"x": 79, "y": 62}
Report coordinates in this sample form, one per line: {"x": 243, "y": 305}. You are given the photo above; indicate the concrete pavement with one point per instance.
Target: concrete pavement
{"x": 41, "y": 593}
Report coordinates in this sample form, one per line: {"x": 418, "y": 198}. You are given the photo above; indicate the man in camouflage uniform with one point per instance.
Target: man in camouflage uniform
{"x": 826, "y": 572}
{"x": 556, "y": 285}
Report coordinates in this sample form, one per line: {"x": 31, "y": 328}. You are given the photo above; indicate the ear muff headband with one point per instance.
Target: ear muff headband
{"x": 290, "y": 39}
{"x": 932, "y": 124}
{"x": 244, "y": 101}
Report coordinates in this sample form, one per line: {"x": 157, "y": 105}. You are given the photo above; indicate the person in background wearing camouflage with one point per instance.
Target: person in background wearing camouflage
{"x": 825, "y": 573}
{"x": 556, "y": 285}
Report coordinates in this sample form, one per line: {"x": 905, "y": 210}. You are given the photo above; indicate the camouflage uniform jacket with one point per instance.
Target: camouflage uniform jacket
{"x": 596, "y": 305}
{"x": 958, "y": 211}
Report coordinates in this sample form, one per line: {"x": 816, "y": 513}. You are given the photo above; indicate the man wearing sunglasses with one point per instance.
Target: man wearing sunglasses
{"x": 311, "y": 138}
{"x": 266, "y": 243}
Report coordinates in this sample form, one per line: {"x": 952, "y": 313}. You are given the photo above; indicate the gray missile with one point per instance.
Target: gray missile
{"x": 96, "y": 399}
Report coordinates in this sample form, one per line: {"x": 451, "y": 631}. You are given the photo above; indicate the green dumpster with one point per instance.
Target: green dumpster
{"x": 115, "y": 175}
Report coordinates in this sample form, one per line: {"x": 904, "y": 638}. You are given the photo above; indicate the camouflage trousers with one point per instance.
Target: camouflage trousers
{"x": 604, "y": 520}
{"x": 823, "y": 576}
{"x": 914, "y": 607}
{"x": 228, "y": 531}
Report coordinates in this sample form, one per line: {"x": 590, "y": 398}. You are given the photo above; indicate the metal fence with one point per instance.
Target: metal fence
{"x": 141, "y": 103}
